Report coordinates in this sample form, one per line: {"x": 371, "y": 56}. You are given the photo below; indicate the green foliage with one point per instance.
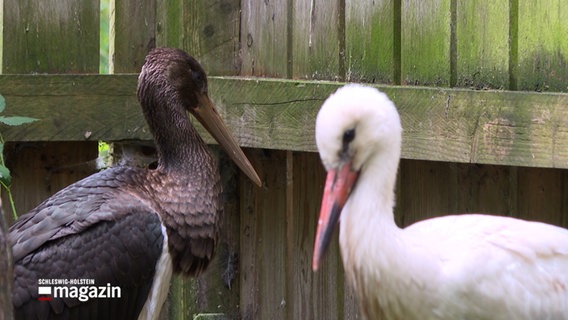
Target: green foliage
{"x": 104, "y": 34}
{"x": 5, "y": 177}
{"x": 16, "y": 120}
{"x": 104, "y": 160}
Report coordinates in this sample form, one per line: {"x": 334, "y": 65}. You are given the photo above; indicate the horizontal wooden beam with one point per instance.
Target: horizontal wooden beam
{"x": 456, "y": 125}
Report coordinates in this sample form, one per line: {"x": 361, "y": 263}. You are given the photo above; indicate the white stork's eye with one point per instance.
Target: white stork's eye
{"x": 348, "y": 136}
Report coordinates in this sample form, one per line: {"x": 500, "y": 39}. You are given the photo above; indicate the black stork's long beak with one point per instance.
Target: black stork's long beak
{"x": 338, "y": 185}
{"x": 206, "y": 113}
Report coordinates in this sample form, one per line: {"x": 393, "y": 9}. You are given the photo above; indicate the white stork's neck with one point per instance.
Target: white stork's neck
{"x": 368, "y": 230}
{"x": 378, "y": 256}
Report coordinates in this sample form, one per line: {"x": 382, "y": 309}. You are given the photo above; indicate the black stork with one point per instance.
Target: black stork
{"x": 131, "y": 227}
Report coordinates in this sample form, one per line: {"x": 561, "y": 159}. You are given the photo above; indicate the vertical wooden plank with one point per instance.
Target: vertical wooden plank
{"x": 264, "y": 38}
{"x": 169, "y": 24}
{"x": 249, "y": 271}
{"x": 227, "y": 291}
{"x": 425, "y": 42}
{"x": 564, "y": 211}
{"x": 319, "y": 295}
{"x": 135, "y": 25}
{"x": 1, "y": 36}
{"x": 369, "y": 41}
{"x": 483, "y": 44}
{"x": 540, "y": 195}
{"x": 6, "y": 275}
{"x": 208, "y": 30}
{"x": 427, "y": 189}
{"x": 211, "y": 31}
{"x": 316, "y": 40}
{"x": 39, "y": 169}
{"x": 291, "y": 267}
{"x": 51, "y": 36}
{"x": 181, "y": 303}
{"x": 485, "y": 189}
{"x": 263, "y": 239}
{"x": 542, "y": 45}
{"x": 513, "y": 44}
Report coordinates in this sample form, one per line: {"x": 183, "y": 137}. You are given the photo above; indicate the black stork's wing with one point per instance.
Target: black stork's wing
{"x": 94, "y": 229}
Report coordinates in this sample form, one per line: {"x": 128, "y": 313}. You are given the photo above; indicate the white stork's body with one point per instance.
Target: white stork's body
{"x": 453, "y": 267}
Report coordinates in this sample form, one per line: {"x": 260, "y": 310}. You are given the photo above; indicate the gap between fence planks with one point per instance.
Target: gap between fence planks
{"x": 440, "y": 124}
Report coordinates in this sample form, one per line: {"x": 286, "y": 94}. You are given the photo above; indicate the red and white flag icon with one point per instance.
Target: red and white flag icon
{"x": 44, "y": 293}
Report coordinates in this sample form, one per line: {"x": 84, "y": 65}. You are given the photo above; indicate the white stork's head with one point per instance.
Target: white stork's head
{"x": 355, "y": 125}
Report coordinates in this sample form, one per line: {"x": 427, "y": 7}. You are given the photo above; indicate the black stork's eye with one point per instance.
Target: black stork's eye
{"x": 198, "y": 77}
{"x": 348, "y": 136}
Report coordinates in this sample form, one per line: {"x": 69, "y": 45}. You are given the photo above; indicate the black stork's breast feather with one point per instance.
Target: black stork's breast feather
{"x": 123, "y": 225}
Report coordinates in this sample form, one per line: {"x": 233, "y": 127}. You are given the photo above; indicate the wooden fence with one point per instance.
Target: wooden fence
{"x": 479, "y": 85}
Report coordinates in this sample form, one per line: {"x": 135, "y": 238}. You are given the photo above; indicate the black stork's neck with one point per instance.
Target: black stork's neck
{"x": 178, "y": 144}
{"x": 164, "y": 96}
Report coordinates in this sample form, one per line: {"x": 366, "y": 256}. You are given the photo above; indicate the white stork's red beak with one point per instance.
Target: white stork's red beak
{"x": 337, "y": 188}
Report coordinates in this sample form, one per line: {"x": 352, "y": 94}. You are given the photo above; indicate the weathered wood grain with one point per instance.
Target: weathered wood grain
{"x": 39, "y": 169}
{"x": 319, "y": 295}
{"x": 425, "y": 42}
{"x": 211, "y": 34}
{"x": 263, "y": 233}
{"x": 135, "y": 29}
{"x": 264, "y": 38}
{"x": 51, "y": 36}
{"x": 278, "y": 224}
{"x": 316, "y": 40}
{"x": 101, "y": 100}
{"x": 565, "y": 200}
{"x": 437, "y": 180}
{"x": 169, "y": 24}
{"x": 542, "y": 45}
{"x": 429, "y": 189}
{"x": 6, "y": 275}
{"x": 492, "y": 127}
{"x": 541, "y": 194}
{"x": 445, "y": 125}
{"x": 482, "y": 35}
{"x": 369, "y": 41}
{"x": 486, "y": 189}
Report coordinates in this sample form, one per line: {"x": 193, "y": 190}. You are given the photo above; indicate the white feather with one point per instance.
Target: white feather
{"x": 160, "y": 285}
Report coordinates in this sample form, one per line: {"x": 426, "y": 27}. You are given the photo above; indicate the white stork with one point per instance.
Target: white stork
{"x": 468, "y": 266}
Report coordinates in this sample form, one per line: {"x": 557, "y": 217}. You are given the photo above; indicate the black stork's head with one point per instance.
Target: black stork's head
{"x": 171, "y": 78}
